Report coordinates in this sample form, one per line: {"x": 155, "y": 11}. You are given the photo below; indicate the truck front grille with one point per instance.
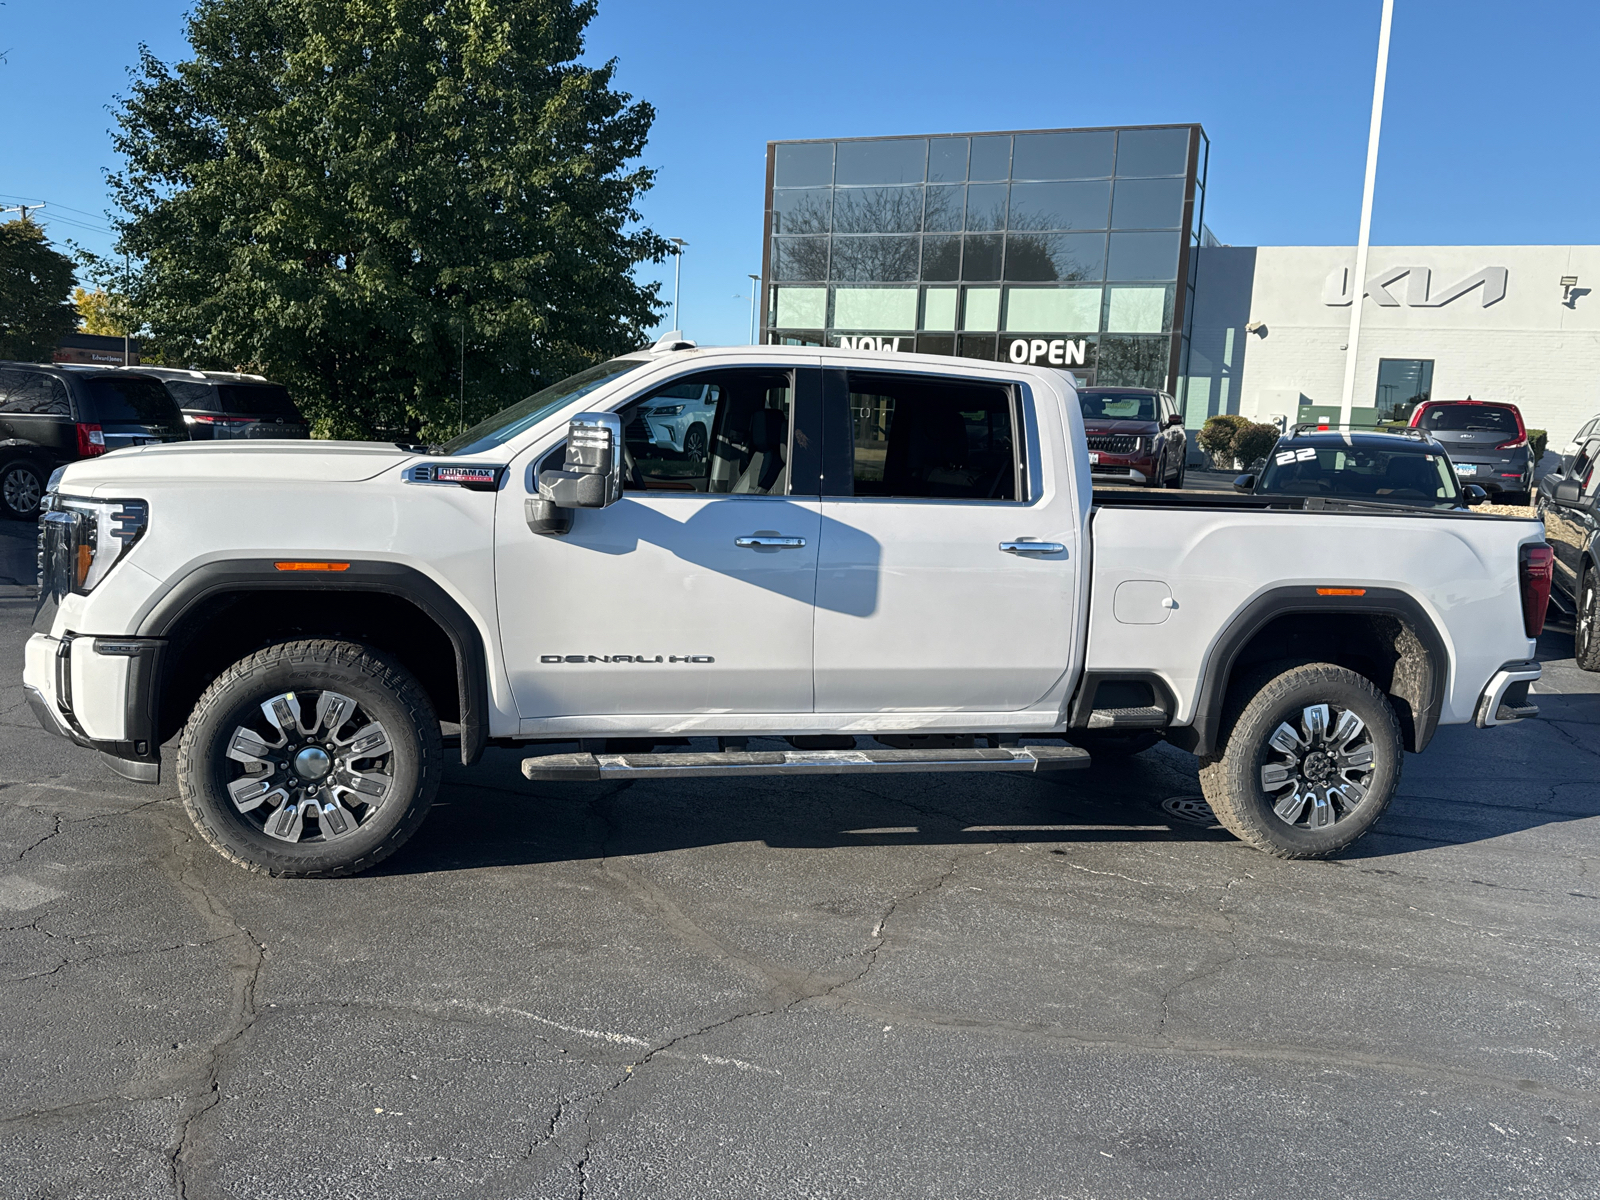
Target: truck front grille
{"x": 1113, "y": 443}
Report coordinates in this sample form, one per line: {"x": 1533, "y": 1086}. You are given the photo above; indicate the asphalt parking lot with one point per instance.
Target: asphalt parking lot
{"x": 918, "y": 987}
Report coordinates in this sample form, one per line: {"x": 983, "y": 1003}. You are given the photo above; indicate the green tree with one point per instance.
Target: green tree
{"x": 334, "y": 191}
{"x": 35, "y": 285}
{"x": 100, "y": 312}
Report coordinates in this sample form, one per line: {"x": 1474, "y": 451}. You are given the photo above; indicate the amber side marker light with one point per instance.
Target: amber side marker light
{"x": 311, "y": 566}
{"x": 1341, "y": 591}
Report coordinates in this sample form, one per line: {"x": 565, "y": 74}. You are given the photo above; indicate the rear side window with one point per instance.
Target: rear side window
{"x": 256, "y": 400}
{"x": 31, "y": 394}
{"x": 1477, "y": 418}
{"x": 129, "y": 399}
{"x": 929, "y": 438}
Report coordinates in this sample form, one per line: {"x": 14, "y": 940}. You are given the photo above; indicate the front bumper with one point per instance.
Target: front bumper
{"x": 1113, "y": 468}
{"x": 99, "y": 693}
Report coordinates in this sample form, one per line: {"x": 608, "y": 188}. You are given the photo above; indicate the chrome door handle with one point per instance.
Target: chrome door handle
{"x": 756, "y": 541}
{"x": 1032, "y": 547}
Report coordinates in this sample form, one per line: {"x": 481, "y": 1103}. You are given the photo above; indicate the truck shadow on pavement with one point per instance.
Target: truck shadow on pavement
{"x": 1470, "y": 786}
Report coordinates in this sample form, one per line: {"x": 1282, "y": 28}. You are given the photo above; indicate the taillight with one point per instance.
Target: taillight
{"x": 91, "y": 440}
{"x": 206, "y": 420}
{"x": 1537, "y": 570}
{"x": 1514, "y": 444}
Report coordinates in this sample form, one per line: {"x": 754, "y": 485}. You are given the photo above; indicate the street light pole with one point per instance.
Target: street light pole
{"x": 677, "y": 276}
{"x": 1358, "y": 285}
{"x": 755, "y": 290}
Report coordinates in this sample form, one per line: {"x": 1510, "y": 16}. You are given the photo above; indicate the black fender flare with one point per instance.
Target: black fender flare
{"x": 1200, "y": 736}
{"x": 393, "y": 579}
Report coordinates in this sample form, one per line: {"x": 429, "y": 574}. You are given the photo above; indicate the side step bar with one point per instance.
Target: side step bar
{"x": 587, "y": 768}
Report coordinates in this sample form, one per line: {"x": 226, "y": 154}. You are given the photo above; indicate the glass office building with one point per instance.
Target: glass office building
{"x": 1069, "y": 247}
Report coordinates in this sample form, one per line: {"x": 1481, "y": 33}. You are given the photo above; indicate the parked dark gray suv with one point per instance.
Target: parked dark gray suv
{"x": 51, "y": 415}
{"x": 223, "y": 404}
{"x": 1487, "y": 444}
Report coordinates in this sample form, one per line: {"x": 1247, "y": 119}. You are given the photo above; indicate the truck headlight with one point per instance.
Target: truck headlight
{"x": 91, "y": 536}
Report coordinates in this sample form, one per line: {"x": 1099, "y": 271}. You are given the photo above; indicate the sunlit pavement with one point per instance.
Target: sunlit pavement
{"x": 914, "y": 987}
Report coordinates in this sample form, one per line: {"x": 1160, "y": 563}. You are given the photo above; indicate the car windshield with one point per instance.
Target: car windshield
{"x": 1410, "y": 474}
{"x": 1114, "y": 406}
{"x": 1459, "y": 418}
{"x": 509, "y": 422}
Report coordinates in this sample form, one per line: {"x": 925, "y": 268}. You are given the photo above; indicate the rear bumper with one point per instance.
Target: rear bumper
{"x": 99, "y": 693}
{"x": 1505, "y": 699}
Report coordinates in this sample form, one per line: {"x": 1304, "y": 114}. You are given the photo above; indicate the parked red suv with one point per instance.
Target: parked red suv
{"x": 1136, "y": 436}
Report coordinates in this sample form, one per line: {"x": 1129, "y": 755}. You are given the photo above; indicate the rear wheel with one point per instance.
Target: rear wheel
{"x": 310, "y": 758}
{"x": 1309, "y": 760}
{"x": 21, "y": 489}
{"x": 1586, "y": 634}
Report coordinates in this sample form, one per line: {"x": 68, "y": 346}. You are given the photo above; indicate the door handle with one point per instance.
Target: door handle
{"x": 1032, "y": 547}
{"x": 760, "y": 540}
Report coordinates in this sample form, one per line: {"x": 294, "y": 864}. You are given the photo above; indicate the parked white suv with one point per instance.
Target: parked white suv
{"x": 896, "y": 563}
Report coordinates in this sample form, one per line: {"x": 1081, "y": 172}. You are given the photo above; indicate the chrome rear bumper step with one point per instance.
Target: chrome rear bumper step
{"x": 588, "y": 768}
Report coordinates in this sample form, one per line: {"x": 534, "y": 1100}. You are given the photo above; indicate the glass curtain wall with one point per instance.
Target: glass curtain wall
{"x": 1067, "y": 248}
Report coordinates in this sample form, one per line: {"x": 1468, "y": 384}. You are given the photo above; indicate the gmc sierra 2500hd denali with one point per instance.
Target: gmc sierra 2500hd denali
{"x": 894, "y": 563}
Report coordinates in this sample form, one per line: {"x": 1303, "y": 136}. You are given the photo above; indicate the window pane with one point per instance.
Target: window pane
{"x": 1152, "y": 152}
{"x": 931, "y": 439}
{"x": 1052, "y": 310}
{"x": 986, "y": 206}
{"x": 721, "y": 432}
{"x": 1055, "y": 256}
{"x": 991, "y": 158}
{"x": 1137, "y": 309}
{"x": 800, "y": 258}
{"x": 939, "y": 308}
{"x": 941, "y": 258}
{"x": 1063, "y": 156}
{"x": 877, "y": 210}
{"x": 1143, "y": 256}
{"x": 893, "y": 160}
{"x": 875, "y": 308}
{"x": 1403, "y": 383}
{"x": 1061, "y": 205}
{"x": 983, "y": 310}
{"x": 1148, "y": 204}
{"x": 804, "y": 164}
{"x": 802, "y": 308}
{"x": 947, "y": 159}
{"x": 875, "y": 259}
{"x": 976, "y": 347}
{"x": 937, "y": 343}
{"x": 1126, "y": 361}
{"x": 942, "y": 209}
{"x": 982, "y": 257}
{"x": 801, "y": 210}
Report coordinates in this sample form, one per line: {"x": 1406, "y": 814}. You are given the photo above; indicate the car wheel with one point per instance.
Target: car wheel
{"x": 1308, "y": 760}
{"x": 310, "y": 758}
{"x": 21, "y": 489}
{"x": 1158, "y": 475}
{"x": 694, "y": 443}
{"x": 1176, "y": 481}
{"x": 1586, "y": 634}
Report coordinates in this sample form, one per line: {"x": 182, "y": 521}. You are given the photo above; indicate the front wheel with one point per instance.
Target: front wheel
{"x": 1177, "y": 480}
{"x": 1309, "y": 759}
{"x": 310, "y": 758}
{"x": 694, "y": 443}
{"x": 1586, "y": 636}
{"x": 21, "y": 489}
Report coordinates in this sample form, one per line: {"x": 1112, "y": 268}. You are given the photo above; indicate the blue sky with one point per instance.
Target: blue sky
{"x": 1490, "y": 132}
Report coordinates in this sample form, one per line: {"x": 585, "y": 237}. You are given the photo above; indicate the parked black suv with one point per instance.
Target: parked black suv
{"x": 50, "y": 415}
{"x": 1406, "y": 467}
{"x": 222, "y": 404}
{"x": 1567, "y": 503}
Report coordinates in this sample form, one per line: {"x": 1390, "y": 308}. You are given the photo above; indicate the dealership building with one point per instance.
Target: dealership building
{"x": 1087, "y": 249}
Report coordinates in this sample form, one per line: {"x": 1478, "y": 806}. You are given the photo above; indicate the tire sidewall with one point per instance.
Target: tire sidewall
{"x": 1249, "y": 751}
{"x": 235, "y": 697}
{"x": 1584, "y": 648}
{"x": 21, "y": 464}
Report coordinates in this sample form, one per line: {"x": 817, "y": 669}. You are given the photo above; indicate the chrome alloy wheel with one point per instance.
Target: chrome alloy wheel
{"x": 311, "y": 781}
{"x": 1326, "y": 767}
{"x": 1587, "y": 603}
{"x": 20, "y": 489}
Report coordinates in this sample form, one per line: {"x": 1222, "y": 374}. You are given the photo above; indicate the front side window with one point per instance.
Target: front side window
{"x": 723, "y": 432}
{"x": 1404, "y": 475}
{"x": 929, "y": 438}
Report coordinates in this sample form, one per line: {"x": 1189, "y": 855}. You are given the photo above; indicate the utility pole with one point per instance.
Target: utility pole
{"x": 755, "y": 290}
{"x": 24, "y": 209}
{"x": 1358, "y": 285}
{"x": 126, "y": 281}
{"x": 461, "y": 401}
{"x": 677, "y": 275}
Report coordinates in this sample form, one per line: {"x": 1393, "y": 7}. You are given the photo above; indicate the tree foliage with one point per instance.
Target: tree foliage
{"x": 35, "y": 281}
{"x": 101, "y": 312}
{"x": 334, "y": 191}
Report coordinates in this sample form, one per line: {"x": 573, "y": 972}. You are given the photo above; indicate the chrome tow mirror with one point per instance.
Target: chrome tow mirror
{"x": 591, "y": 476}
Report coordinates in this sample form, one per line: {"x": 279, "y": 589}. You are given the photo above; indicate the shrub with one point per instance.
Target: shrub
{"x": 1253, "y": 443}
{"x": 1538, "y": 439}
{"x": 1217, "y": 435}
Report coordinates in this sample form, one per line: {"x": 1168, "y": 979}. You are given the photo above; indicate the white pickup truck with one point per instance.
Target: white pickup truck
{"x": 890, "y": 563}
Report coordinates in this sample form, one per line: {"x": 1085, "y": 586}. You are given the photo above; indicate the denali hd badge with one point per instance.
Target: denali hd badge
{"x": 625, "y": 658}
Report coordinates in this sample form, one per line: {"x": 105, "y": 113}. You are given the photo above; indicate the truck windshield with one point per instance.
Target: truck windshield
{"x": 1410, "y": 475}
{"x": 1112, "y": 406}
{"x": 509, "y": 422}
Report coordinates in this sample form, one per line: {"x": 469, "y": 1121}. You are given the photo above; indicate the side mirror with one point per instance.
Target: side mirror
{"x": 1175, "y": 421}
{"x": 1570, "y": 492}
{"x": 1473, "y": 493}
{"x": 1244, "y": 483}
{"x": 591, "y": 476}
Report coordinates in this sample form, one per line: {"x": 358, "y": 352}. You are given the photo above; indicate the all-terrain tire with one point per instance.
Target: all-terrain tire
{"x": 1586, "y": 629}
{"x": 1231, "y": 776}
{"x": 380, "y": 686}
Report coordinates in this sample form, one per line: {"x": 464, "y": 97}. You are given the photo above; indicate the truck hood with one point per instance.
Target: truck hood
{"x": 209, "y": 462}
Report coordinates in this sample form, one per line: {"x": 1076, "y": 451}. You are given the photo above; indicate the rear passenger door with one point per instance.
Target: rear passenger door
{"x": 928, "y": 595}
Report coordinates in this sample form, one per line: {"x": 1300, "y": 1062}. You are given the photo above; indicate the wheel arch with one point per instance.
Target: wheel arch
{"x": 398, "y": 608}
{"x": 1383, "y": 634}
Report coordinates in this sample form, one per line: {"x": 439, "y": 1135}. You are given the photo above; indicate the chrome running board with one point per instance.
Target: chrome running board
{"x": 588, "y": 768}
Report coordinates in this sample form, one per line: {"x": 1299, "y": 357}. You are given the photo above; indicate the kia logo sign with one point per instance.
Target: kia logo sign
{"x": 1058, "y": 352}
{"x": 1418, "y": 293}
